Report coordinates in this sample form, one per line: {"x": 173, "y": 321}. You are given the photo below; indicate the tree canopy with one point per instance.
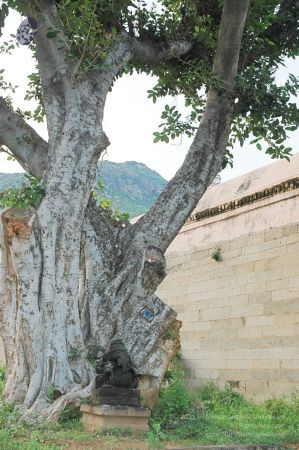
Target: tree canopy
{"x": 186, "y": 33}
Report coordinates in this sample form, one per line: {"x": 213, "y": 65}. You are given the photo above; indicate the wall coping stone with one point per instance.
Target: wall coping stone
{"x": 284, "y": 186}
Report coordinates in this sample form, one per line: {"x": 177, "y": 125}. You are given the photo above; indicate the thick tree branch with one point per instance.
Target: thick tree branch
{"x": 51, "y": 52}
{"x": 150, "y": 52}
{"x": 161, "y": 224}
{"x": 23, "y": 142}
{"x": 52, "y": 61}
{"x": 111, "y": 66}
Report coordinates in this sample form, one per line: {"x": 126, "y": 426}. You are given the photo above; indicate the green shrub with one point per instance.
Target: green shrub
{"x": 29, "y": 193}
{"x": 173, "y": 400}
{"x": 210, "y": 415}
{"x": 2, "y": 379}
{"x": 70, "y": 417}
{"x": 213, "y": 397}
{"x": 284, "y": 411}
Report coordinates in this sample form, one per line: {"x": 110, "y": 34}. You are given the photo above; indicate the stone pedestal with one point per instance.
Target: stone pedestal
{"x": 106, "y": 416}
{"x": 116, "y": 396}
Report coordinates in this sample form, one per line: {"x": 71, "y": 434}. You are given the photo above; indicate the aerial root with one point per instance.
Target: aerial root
{"x": 41, "y": 411}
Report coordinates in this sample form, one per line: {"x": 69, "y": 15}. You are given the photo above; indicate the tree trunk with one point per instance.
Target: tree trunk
{"x": 71, "y": 279}
{"x": 53, "y": 331}
{"x": 68, "y": 290}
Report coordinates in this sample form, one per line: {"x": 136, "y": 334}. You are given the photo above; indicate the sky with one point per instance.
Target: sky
{"x": 131, "y": 118}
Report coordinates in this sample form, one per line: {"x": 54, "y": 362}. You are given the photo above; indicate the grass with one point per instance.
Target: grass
{"x": 206, "y": 416}
{"x": 213, "y": 416}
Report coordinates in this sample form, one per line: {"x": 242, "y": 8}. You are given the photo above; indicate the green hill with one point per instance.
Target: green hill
{"x": 132, "y": 187}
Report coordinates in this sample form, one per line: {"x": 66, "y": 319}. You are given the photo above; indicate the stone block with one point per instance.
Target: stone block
{"x": 202, "y": 296}
{"x": 283, "y": 306}
{"x": 215, "y": 344}
{"x": 255, "y": 238}
{"x": 285, "y": 294}
{"x": 196, "y": 326}
{"x": 200, "y": 286}
{"x": 276, "y": 341}
{"x": 232, "y": 290}
{"x": 279, "y": 330}
{"x": 105, "y": 416}
{"x": 216, "y": 313}
{"x": 244, "y": 268}
{"x": 193, "y": 316}
{"x": 274, "y": 243}
{"x": 259, "y": 321}
{"x": 237, "y": 322}
{"x": 277, "y": 284}
{"x": 192, "y": 336}
{"x": 196, "y": 305}
{"x": 231, "y": 253}
{"x": 259, "y": 297}
{"x": 225, "y": 334}
{"x": 199, "y": 255}
{"x": 292, "y": 249}
{"x": 272, "y": 364}
{"x": 255, "y": 389}
{"x": 283, "y": 353}
{"x": 233, "y": 364}
{"x": 273, "y": 234}
{"x": 291, "y": 230}
{"x": 265, "y": 264}
{"x": 292, "y": 238}
{"x": 207, "y": 374}
{"x": 184, "y": 307}
{"x": 254, "y": 248}
{"x": 191, "y": 344}
{"x": 248, "y": 353}
{"x": 265, "y": 375}
{"x": 241, "y": 241}
{"x": 290, "y": 364}
{"x": 205, "y": 354}
{"x": 235, "y": 374}
{"x": 289, "y": 374}
{"x": 180, "y": 273}
{"x": 249, "y": 332}
{"x": 286, "y": 318}
{"x": 204, "y": 364}
{"x": 246, "y": 310}
{"x": 179, "y": 290}
{"x": 281, "y": 388}
{"x": 294, "y": 281}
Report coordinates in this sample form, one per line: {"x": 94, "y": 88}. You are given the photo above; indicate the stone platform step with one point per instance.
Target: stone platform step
{"x": 106, "y": 416}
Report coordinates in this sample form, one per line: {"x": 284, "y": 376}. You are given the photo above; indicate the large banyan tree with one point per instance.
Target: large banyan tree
{"x": 72, "y": 277}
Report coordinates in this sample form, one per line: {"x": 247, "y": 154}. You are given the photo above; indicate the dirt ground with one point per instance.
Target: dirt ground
{"x": 125, "y": 444}
{"x": 108, "y": 445}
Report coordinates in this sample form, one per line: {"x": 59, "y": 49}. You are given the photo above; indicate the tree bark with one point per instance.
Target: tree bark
{"x": 71, "y": 279}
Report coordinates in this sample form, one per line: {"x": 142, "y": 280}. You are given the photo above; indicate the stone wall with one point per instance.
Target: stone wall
{"x": 240, "y": 315}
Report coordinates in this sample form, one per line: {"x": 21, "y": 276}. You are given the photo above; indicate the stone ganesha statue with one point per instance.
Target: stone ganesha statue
{"x": 116, "y": 368}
